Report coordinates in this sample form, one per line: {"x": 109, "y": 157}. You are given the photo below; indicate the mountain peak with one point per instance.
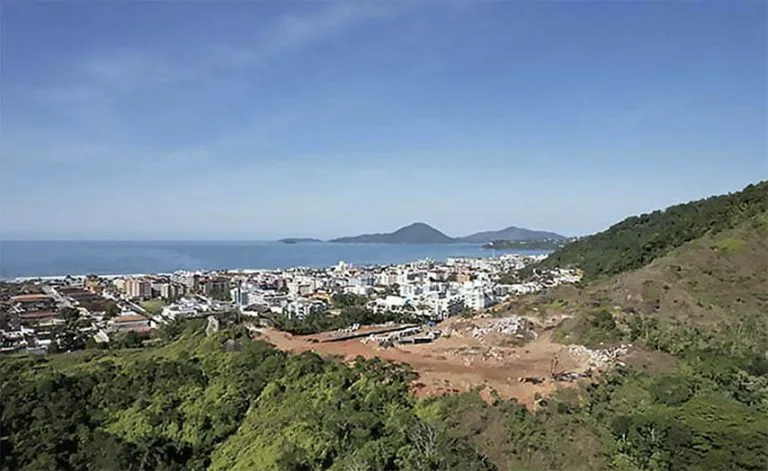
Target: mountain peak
{"x": 414, "y": 233}
{"x": 417, "y": 226}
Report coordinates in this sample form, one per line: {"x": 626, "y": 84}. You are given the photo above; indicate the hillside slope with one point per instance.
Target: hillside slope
{"x": 638, "y": 240}
{"x": 710, "y": 290}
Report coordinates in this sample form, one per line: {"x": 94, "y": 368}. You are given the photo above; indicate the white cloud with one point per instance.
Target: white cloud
{"x": 132, "y": 69}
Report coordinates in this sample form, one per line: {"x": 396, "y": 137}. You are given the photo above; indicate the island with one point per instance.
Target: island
{"x": 416, "y": 233}
{"x": 298, "y": 240}
{"x": 543, "y": 244}
{"x": 511, "y": 233}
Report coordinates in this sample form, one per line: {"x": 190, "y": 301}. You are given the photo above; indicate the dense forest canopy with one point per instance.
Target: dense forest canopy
{"x": 638, "y": 240}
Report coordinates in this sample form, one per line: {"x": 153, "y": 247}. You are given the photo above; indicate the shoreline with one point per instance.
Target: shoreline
{"x": 21, "y": 279}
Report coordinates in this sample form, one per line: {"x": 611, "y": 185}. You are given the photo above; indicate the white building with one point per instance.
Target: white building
{"x": 119, "y": 283}
{"x": 170, "y": 290}
{"x": 390, "y": 303}
{"x": 185, "y": 308}
{"x": 358, "y": 290}
{"x": 443, "y": 308}
{"x": 409, "y": 290}
{"x": 301, "y": 308}
{"x": 477, "y": 299}
{"x": 300, "y": 288}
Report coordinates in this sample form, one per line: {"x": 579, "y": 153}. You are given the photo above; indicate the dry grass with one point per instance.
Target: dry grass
{"x": 705, "y": 283}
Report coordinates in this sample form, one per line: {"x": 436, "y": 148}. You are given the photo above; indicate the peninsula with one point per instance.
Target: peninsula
{"x": 542, "y": 244}
{"x": 299, "y": 240}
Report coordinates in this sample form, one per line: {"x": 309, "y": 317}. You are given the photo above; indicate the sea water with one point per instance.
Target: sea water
{"x": 51, "y": 258}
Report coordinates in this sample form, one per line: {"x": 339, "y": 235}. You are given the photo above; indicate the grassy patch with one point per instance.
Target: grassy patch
{"x": 728, "y": 245}
{"x": 598, "y": 328}
{"x": 762, "y": 220}
{"x": 154, "y": 306}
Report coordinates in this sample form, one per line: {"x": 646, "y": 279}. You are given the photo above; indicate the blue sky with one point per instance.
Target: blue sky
{"x": 237, "y": 120}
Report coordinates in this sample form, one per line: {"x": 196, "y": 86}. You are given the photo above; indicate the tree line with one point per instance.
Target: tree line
{"x": 638, "y": 240}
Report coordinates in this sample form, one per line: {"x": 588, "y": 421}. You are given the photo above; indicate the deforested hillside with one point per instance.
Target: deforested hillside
{"x": 638, "y": 240}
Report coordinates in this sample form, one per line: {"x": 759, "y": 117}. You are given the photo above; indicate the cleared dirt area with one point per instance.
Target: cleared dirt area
{"x": 457, "y": 362}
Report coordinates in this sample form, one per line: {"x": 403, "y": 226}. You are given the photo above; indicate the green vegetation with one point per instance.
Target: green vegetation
{"x": 224, "y": 402}
{"x": 227, "y": 402}
{"x": 154, "y": 306}
{"x": 702, "y": 302}
{"x": 727, "y": 244}
{"x": 693, "y": 396}
{"x": 321, "y": 322}
{"x": 696, "y": 297}
{"x": 344, "y": 300}
{"x": 509, "y": 279}
{"x": 597, "y": 328}
{"x": 638, "y": 240}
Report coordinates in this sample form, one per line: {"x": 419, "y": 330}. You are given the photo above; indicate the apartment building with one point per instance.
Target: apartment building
{"x": 138, "y": 288}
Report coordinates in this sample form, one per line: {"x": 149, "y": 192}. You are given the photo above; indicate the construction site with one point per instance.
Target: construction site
{"x": 508, "y": 357}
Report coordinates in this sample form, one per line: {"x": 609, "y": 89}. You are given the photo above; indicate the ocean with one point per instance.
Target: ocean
{"x": 52, "y": 258}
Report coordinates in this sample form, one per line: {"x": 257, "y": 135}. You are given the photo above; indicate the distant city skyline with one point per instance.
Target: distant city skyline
{"x": 263, "y": 120}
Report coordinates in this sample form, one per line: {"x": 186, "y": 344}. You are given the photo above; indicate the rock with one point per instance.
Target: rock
{"x": 212, "y": 327}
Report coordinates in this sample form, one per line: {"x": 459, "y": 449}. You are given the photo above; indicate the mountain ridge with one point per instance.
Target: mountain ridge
{"x": 423, "y": 233}
{"x": 638, "y": 240}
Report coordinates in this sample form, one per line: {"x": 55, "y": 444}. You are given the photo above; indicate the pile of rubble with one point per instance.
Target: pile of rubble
{"x": 495, "y": 354}
{"x": 598, "y": 358}
{"x": 513, "y": 325}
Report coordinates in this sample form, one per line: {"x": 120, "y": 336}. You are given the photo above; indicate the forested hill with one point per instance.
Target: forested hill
{"x": 228, "y": 403}
{"x": 638, "y": 240}
{"x": 416, "y": 233}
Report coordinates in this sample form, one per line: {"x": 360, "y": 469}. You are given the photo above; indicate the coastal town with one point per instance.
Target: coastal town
{"x": 59, "y": 314}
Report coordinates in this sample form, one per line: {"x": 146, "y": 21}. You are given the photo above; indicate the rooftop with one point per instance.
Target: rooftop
{"x": 28, "y": 298}
{"x": 37, "y": 314}
{"x": 128, "y": 318}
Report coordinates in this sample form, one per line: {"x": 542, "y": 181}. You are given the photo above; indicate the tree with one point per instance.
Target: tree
{"x": 112, "y": 310}
{"x": 70, "y": 341}
{"x": 344, "y": 300}
{"x": 129, "y": 339}
{"x": 70, "y": 315}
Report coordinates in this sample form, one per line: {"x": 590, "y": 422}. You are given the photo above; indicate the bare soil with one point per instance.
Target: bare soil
{"x": 456, "y": 363}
